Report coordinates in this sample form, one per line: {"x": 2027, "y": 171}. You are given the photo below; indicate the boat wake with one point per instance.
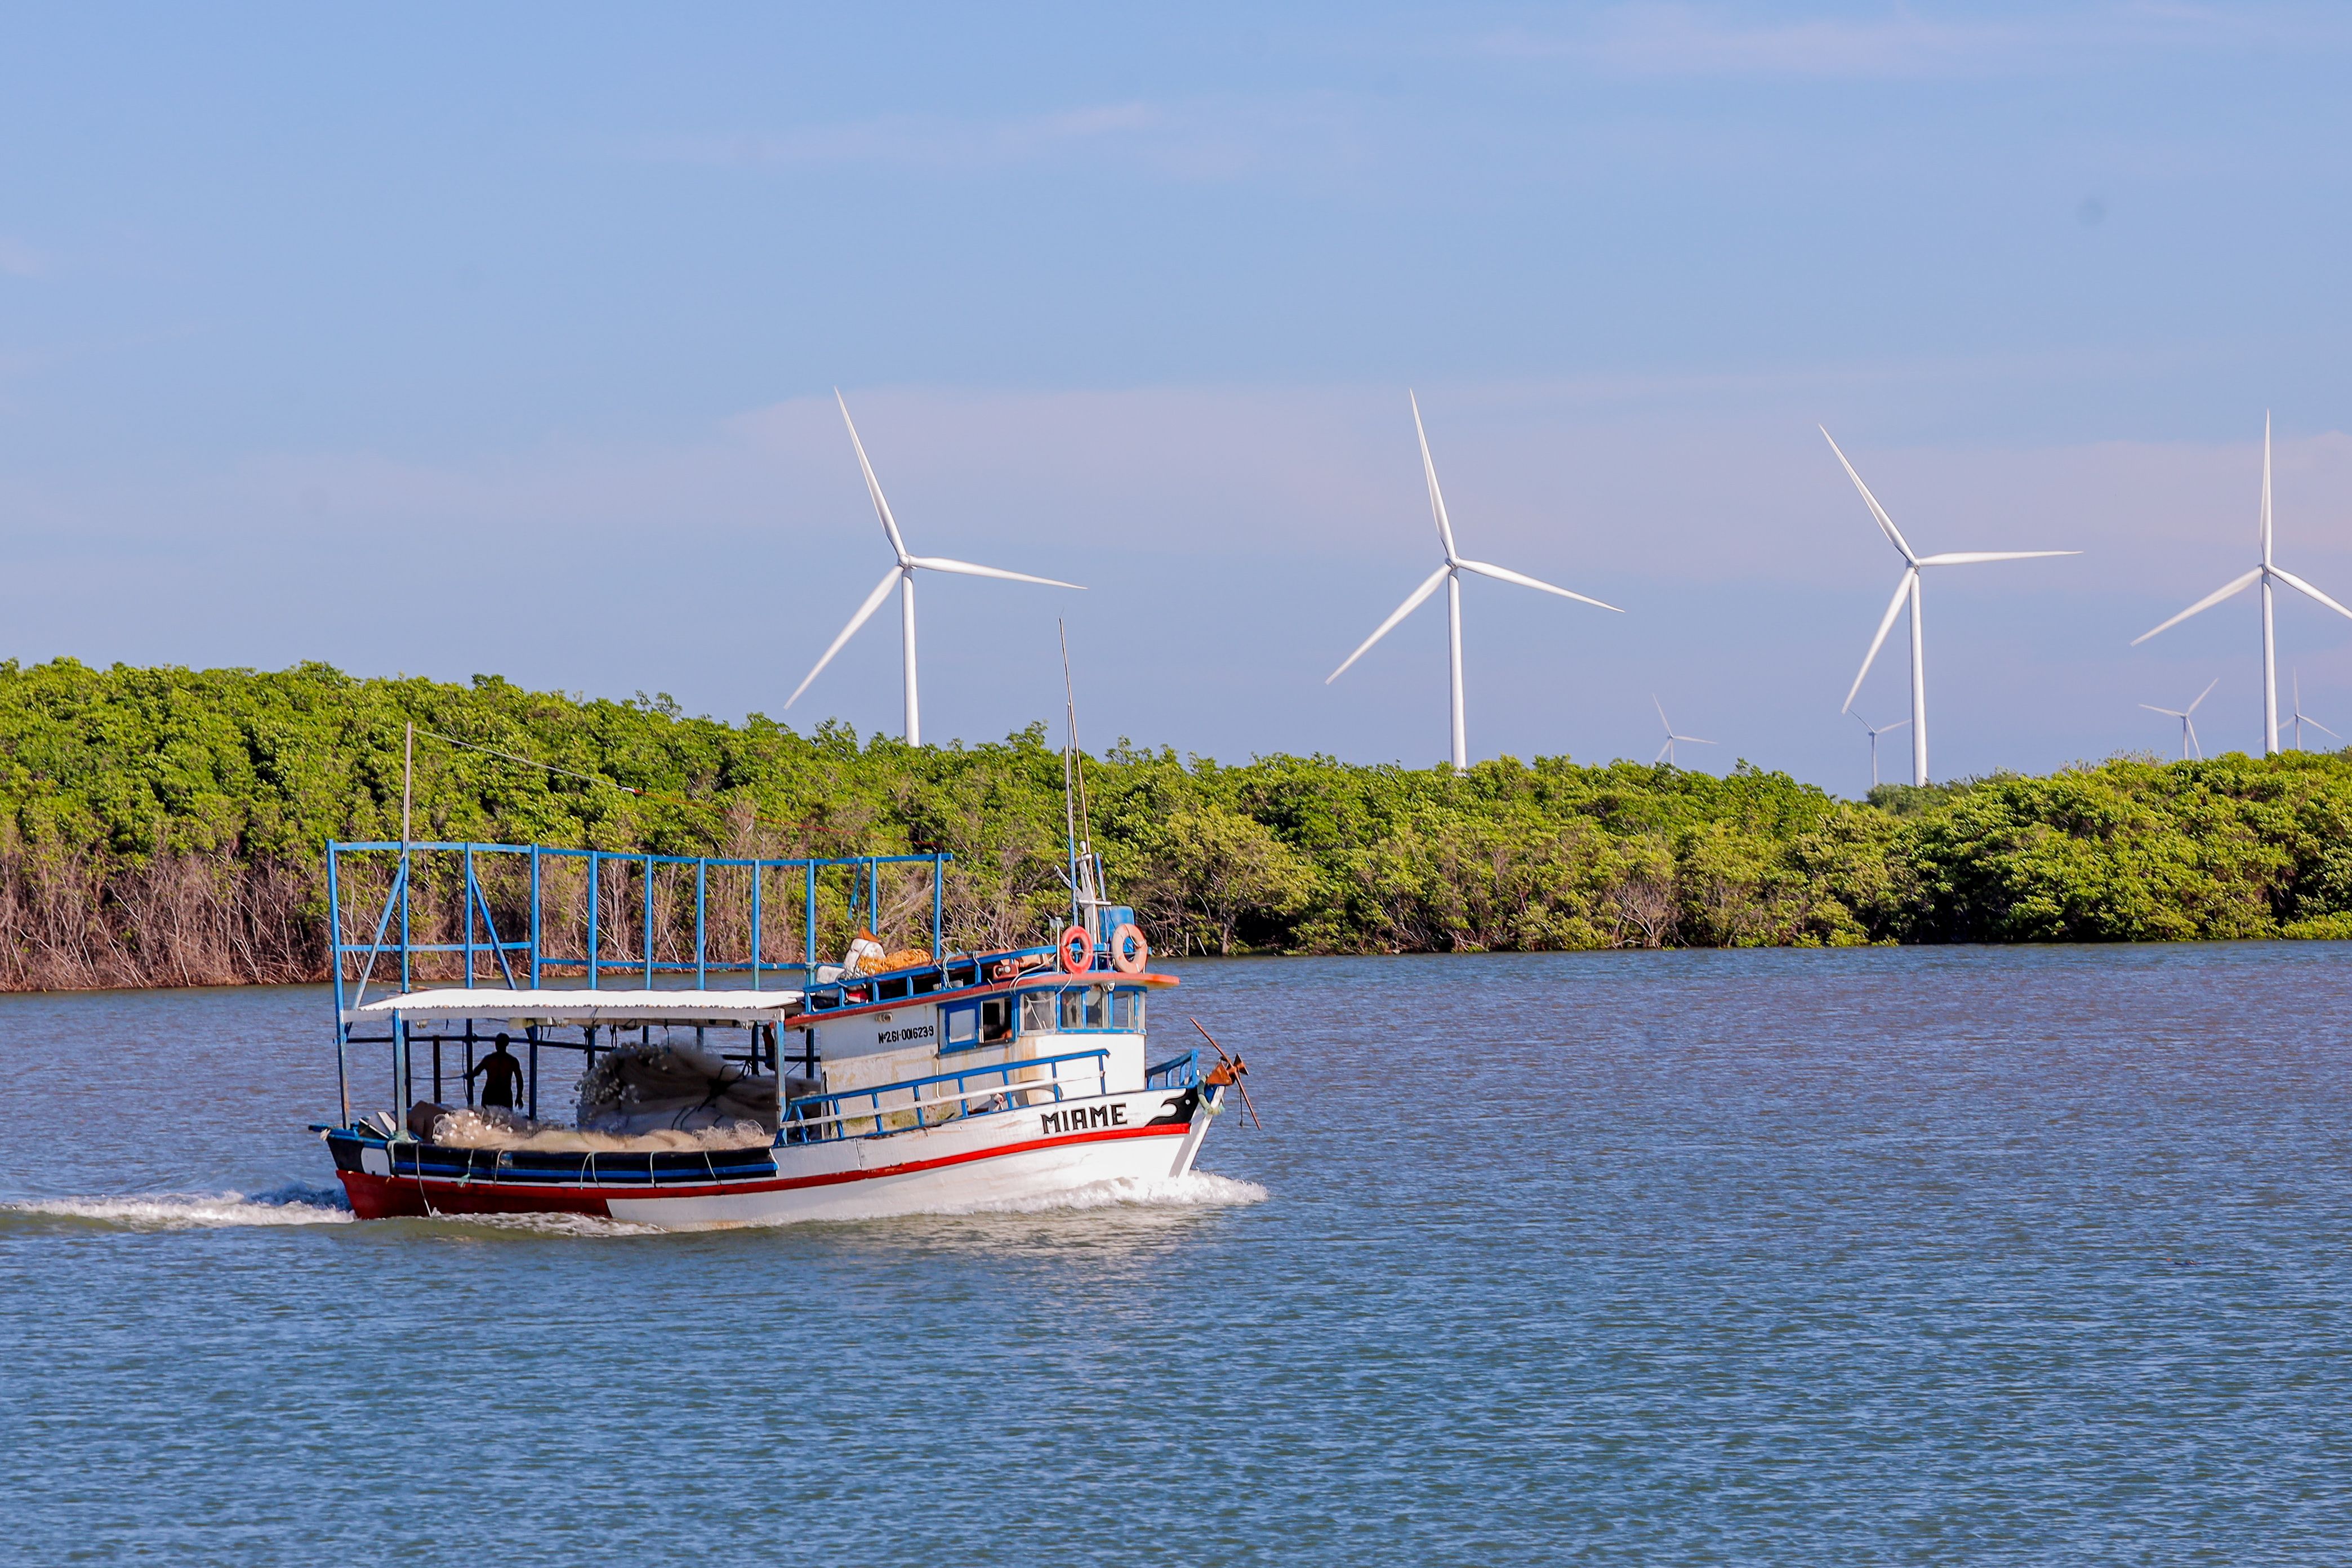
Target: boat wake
{"x": 299, "y": 1204}
{"x": 295, "y": 1204}
{"x": 573, "y": 1225}
{"x": 1198, "y": 1190}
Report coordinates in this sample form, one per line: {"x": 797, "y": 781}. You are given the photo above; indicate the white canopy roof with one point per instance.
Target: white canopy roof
{"x": 583, "y": 1006}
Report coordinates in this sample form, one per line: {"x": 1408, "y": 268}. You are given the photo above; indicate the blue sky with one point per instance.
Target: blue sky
{"x": 444, "y": 341}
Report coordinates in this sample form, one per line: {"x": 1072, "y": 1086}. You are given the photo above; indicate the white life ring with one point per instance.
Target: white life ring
{"x": 1129, "y": 952}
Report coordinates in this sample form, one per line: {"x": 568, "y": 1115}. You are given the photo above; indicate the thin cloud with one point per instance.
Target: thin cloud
{"x": 930, "y": 141}
{"x": 18, "y": 260}
{"x": 1677, "y": 39}
{"x": 1192, "y": 141}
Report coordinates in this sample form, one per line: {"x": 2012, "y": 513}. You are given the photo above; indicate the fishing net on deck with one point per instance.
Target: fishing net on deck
{"x": 490, "y": 1128}
{"x": 637, "y": 1098}
{"x": 673, "y": 1088}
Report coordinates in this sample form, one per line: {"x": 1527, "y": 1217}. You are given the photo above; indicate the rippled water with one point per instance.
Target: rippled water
{"x": 1938, "y": 1256}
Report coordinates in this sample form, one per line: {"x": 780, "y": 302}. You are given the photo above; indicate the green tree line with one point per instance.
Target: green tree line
{"x": 167, "y": 826}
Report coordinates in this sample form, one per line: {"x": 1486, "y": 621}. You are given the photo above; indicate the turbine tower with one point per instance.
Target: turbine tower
{"x": 1666, "y": 753}
{"x": 2302, "y": 718}
{"x": 2189, "y": 742}
{"x": 2265, "y": 573}
{"x": 1450, "y": 573}
{"x": 1907, "y": 589}
{"x": 902, "y": 576}
{"x": 1874, "y": 731}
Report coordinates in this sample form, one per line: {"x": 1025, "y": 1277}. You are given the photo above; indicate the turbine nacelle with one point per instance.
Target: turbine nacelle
{"x": 1666, "y": 753}
{"x": 2302, "y": 718}
{"x": 1907, "y": 591}
{"x": 1450, "y": 574}
{"x": 1874, "y": 732}
{"x": 901, "y": 576}
{"x": 2266, "y": 571}
{"x": 2188, "y": 741}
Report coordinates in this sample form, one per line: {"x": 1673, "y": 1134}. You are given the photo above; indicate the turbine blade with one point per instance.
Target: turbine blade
{"x": 2167, "y": 712}
{"x": 1664, "y": 722}
{"x": 2235, "y": 585}
{"x": 2300, "y": 586}
{"x": 1663, "y": 751}
{"x": 865, "y": 612}
{"x": 1505, "y": 574}
{"x": 1429, "y": 468}
{"x": 940, "y": 564}
{"x": 873, "y": 486}
{"x": 2207, "y": 693}
{"x": 1899, "y": 724}
{"x": 1412, "y": 603}
{"x": 1886, "y": 625}
{"x": 2307, "y": 718}
{"x": 1694, "y": 740}
{"x": 1885, "y": 523}
{"x": 1972, "y": 557}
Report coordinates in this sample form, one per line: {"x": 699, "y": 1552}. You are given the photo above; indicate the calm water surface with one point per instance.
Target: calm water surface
{"x": 1939, "y": 1256}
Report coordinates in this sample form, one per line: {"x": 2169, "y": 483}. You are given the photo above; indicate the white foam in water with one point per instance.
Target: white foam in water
{"x": 1198, "y": 1190}
{"x": 582, "y": 1225}
{"x": 300, "y": 1205}
{"x": 296, "y": 1204}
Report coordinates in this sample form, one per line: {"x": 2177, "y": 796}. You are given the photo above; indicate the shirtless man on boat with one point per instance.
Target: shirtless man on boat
{"x": 501, "y": 1076}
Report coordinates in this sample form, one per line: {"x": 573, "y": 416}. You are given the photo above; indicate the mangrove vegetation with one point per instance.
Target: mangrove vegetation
{"x": 165, "y": 827}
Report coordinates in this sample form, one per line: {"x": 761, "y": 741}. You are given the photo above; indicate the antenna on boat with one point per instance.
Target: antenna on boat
{"x": 408, "y": 792}
{"x": 1232, "y": 1068}
{"x": 1085, "y": 871}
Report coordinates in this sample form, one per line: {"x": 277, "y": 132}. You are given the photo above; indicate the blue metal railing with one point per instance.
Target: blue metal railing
{"x": 819, "y": 1119}
{"x": 394, "y": 940}
{"x": 1176, "y": 1072}
{"x": 959, "y": 971}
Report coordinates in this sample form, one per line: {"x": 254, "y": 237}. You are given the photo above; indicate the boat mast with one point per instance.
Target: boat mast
{"x": 400, "y": 1080}
{"x": 1085, "y": 871}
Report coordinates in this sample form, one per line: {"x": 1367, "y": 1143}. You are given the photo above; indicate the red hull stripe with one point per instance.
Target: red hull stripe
{"x": 387, "y": 1195}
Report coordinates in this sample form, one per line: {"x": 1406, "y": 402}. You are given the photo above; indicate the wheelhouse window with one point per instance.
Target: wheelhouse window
{"x": 1085, "y": 1007}
{"x": 1080, "y": 1009}
{"x": 965, "y": 1026}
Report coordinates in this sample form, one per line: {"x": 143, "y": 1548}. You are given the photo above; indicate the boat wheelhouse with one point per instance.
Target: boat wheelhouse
{"x": 715, "y": 1072}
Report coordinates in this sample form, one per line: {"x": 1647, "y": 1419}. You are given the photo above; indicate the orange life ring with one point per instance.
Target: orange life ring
{"x": 1129, "y": 952}
{"x": 1078, "y": 950}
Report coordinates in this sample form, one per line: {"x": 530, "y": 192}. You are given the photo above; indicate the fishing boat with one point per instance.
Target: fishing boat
{"x": 715, "y": 1085}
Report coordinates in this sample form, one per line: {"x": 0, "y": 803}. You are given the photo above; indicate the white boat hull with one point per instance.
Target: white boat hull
{"x": 1006, "y": 1158}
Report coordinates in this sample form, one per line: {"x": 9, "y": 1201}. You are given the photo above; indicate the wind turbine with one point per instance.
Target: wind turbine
{"x": 2188, "y": 725}
{"x": 1907, "y": 587}
{"x": 1874, "y": 731}
{"x": 2265, "y": 573}
{"x": 2302, "y": 718}
{"x": 1666, "y": 753}
{"x": 902, "y": 576}
{"x": 1450, "y": 574}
